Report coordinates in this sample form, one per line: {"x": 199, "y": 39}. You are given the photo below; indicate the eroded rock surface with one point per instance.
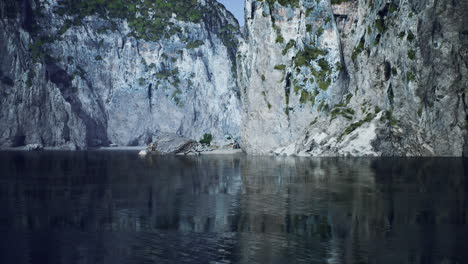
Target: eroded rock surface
{"x": 118, "y": 72}
{"x": 171, "y": 144}
{"x": 361, "y": 78}
{"x": 308, "y": 77}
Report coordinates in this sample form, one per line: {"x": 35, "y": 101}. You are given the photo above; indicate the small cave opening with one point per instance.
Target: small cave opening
{"x": 19, "y": 140}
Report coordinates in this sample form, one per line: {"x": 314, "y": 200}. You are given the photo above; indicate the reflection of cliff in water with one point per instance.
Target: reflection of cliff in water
{"x": 119, "y": 192}
{"x": 254, "y": 209}
{"x": 357, "y": 210}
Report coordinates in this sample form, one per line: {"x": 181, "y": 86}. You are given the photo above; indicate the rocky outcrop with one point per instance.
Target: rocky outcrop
{"x": 171, "y": 144}
{"x": 90, "y": 73}
{"x": 308, "y": 77}
{"x": 34, "y": 147}
{"x": 357, "y": 78}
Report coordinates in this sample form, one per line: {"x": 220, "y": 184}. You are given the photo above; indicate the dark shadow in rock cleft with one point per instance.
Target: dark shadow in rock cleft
{"x": 96, "y": 134}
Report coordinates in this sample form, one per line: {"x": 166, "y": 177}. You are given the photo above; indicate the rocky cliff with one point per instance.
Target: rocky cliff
{"x": 90, "y": 73}
{"x": 308, "y": 77}
{"x": 355, "y": 77}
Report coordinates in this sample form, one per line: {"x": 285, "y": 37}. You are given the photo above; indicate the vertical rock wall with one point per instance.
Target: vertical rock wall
{"x": 90, "y": 75}
{"x": 354, "y": 77}
{"x": 309, "y": 77}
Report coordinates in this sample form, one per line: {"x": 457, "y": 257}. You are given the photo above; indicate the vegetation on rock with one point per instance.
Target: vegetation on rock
{"x": 149, "y": 20}
{"x": 280, "y": 67}
{"x": 369, "y": 117}
{"x": 206, "y": 139}
{"x": 292, "y": 3}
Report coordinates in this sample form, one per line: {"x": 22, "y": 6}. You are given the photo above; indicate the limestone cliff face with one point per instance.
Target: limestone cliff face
{"x": 355, "y": 77}
{"x": 91, "y": 73}
{"x": 308, "y": 77}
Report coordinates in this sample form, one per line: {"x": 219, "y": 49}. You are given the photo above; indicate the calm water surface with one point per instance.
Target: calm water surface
{"x": 113, "y": 207}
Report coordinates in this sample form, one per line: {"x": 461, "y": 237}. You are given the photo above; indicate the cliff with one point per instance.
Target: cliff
{"x": 306, "y": 77}
{"x": 77, "y": 74}
{"x": 368, "y": 77}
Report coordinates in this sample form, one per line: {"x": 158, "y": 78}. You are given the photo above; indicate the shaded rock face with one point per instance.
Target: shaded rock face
{"x": 92, "y": 75}
{"x": 309, "y": 77}
{"x": 360, "y": 78}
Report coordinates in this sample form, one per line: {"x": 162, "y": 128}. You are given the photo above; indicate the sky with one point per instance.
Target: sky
{"x": 236, "y": 7}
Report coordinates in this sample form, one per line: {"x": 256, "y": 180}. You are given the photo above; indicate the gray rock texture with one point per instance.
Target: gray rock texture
{"x": 361, "y": 78}
{"x": 307, "y": 77}
{"x": 94, "y": 75}
{"x": 171, "y": 144}
{"x": 34, "y": 147}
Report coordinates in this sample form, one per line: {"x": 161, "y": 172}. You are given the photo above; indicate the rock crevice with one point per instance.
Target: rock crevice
{"x": 305, "y": 77}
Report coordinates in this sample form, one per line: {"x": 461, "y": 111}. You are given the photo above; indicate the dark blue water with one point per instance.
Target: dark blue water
{"x": 113, "y": 207}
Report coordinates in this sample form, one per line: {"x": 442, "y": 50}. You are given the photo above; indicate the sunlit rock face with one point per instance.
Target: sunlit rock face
{"x": 90, "y": 74}
{"x": 359, "y": 78}
{"x": 308, "y": 77}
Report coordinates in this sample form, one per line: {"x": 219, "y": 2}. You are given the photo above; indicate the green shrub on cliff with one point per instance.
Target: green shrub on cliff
{"x": 356, "y": 125}
{"x": 412, "y": 54}
{"x": 380, "y": 25}
{"x": 206, "y": 139}
{"x": 279, "y": 37}
{"x": 280, "y": 67}
{"x": 304, "y": 57}
{"x": 410, "y": 77}
{"x": 358, "y": 49}
{"x": 194, "y": 44}
{"x": 149, "y": 20}
{"x": 290, "y": 44}
{"x": 292, "y": 3}
{"x": 337, "y": 2}
{"x": 304, "y": 96}
{"x": 410, "y": 36}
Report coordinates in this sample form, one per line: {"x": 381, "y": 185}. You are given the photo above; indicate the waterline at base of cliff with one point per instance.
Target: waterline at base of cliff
{"x": 303, "y": 77}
